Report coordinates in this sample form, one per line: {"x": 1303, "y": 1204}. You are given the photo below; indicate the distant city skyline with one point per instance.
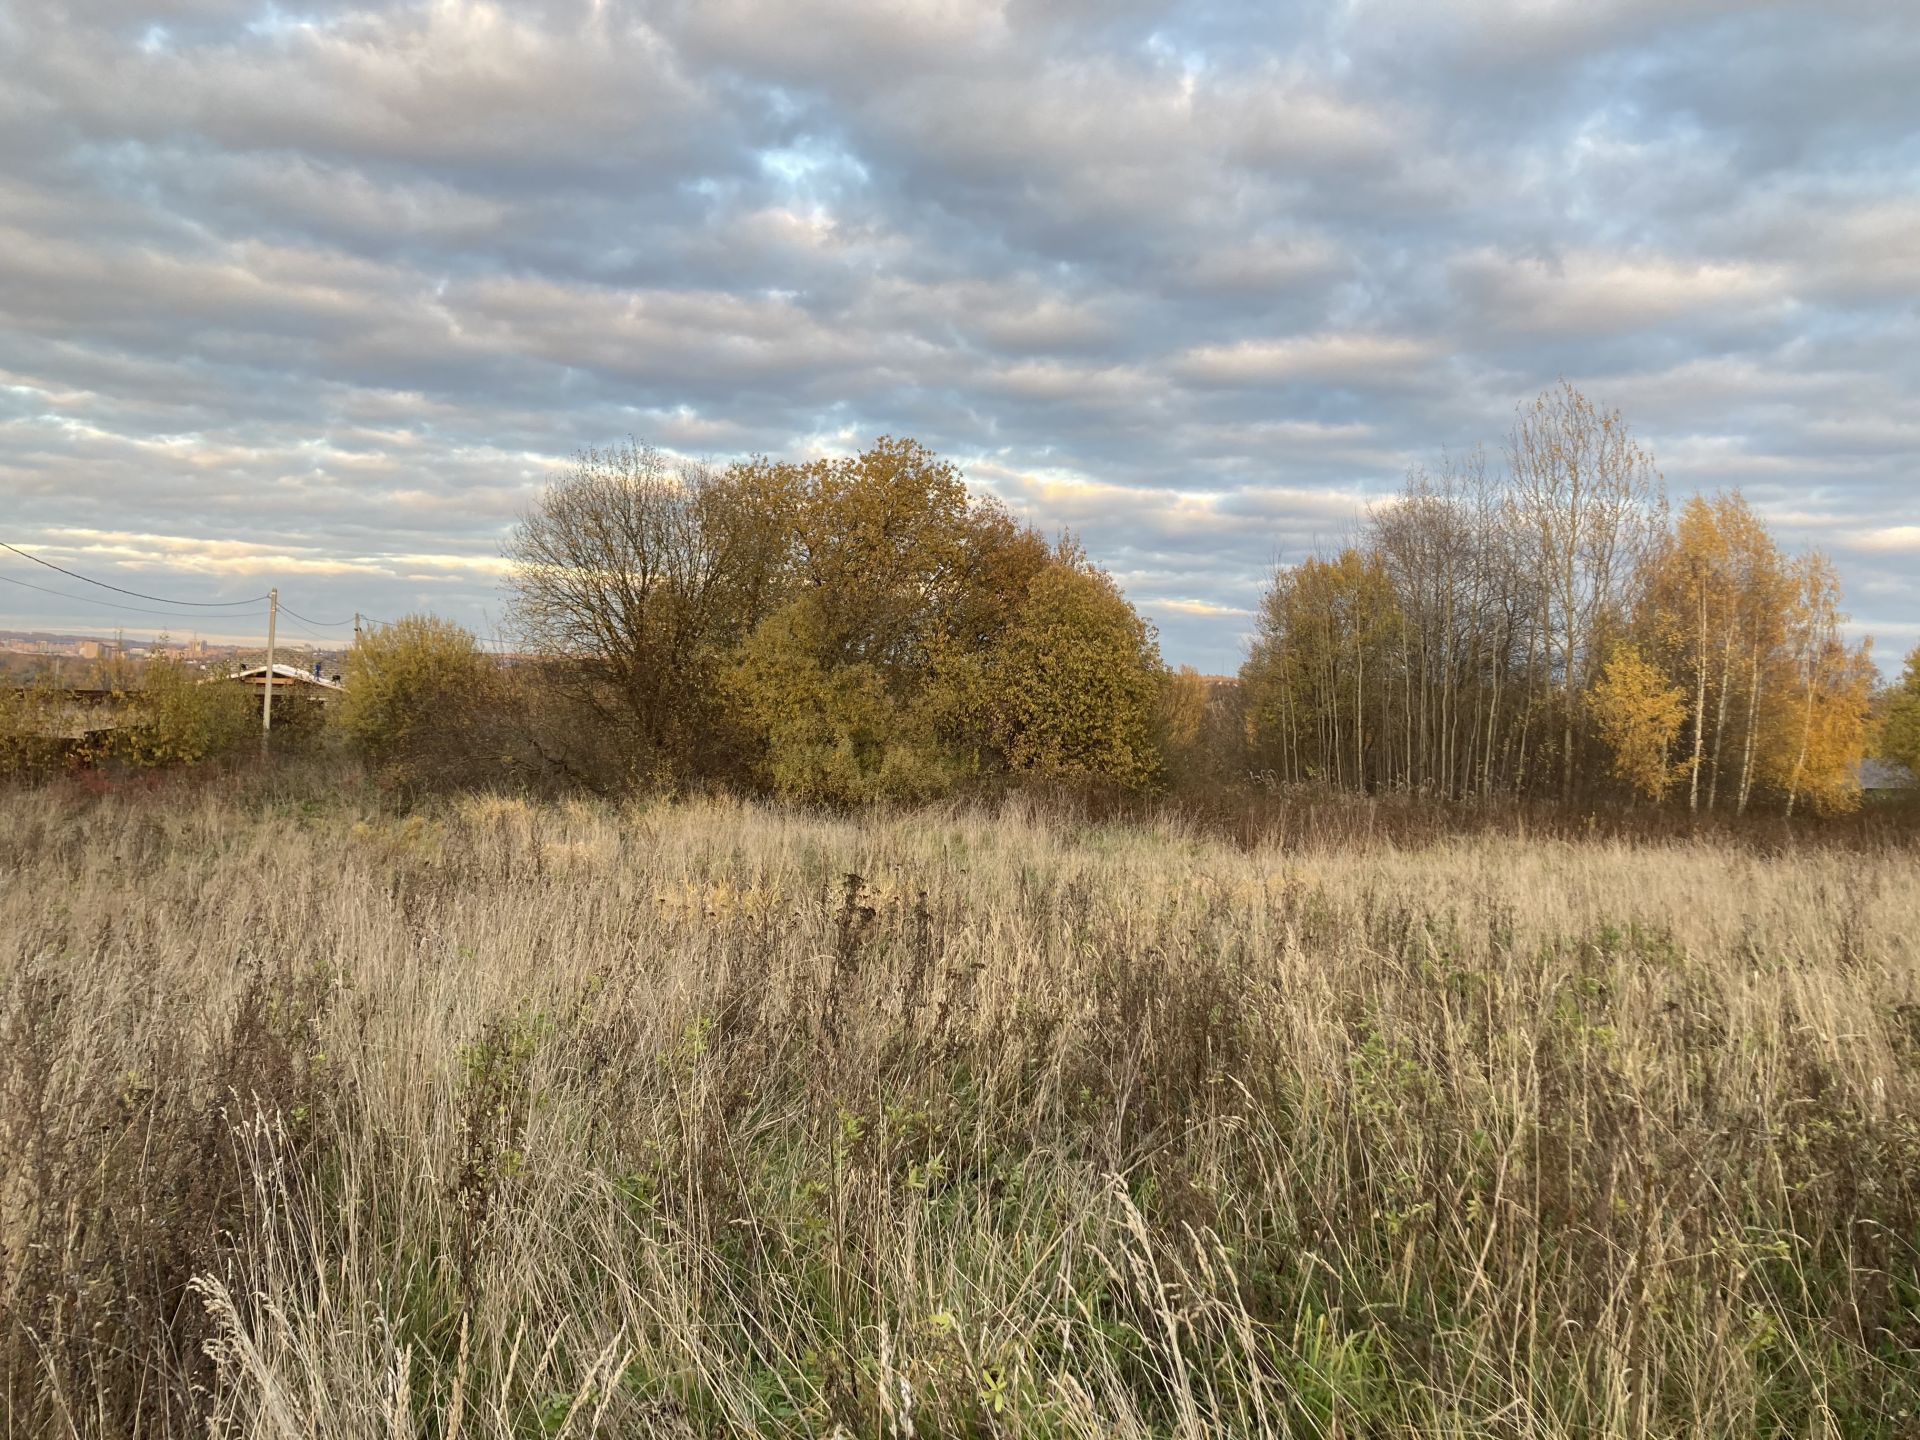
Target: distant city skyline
{"x": 91, "y": 645}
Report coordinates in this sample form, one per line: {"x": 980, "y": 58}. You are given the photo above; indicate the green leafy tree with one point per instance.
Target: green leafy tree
{"x": 1900, "y": 729}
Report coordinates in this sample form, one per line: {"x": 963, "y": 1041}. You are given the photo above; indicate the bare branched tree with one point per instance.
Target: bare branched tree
{"x": 637, "y": 573}
{"x": 1587, "y": 502}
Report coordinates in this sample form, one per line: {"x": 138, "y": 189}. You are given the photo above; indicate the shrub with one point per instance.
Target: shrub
{"x": 22, "y": 748}
{"x": 423, "y": 704}
{"x": 180, "y": 717}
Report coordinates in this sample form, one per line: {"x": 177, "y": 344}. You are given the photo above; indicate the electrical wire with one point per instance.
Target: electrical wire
{"x": 286, "y": 609}
{"x": 315, "y": 635}
{"x": 110, "y": 604}
{"x": 297, "y": 629}
{"x": 137, "y": 594}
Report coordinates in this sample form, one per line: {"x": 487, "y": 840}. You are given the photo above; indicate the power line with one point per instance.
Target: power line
{"x": 164, "y": 600}
{"x": 286, "y": 609}
{"x": 310, "y": 634}
{"x": 110, "y": 604}
{"x": 137, "y": 594}
{"x": 314, "y": 635}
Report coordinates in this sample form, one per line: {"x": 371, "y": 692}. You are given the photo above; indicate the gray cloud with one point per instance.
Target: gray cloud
{"x": 323, "y": 295}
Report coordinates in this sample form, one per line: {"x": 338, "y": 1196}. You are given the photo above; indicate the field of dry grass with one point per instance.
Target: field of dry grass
{"x": 505, "y": 1119}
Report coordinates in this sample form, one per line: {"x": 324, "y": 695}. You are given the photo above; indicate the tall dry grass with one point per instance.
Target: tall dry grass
{"x": 713, "y": 1119}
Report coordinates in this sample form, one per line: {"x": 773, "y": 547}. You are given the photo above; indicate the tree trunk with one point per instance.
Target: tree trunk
{"x": 1806, "y": 741}
{"x": 1699, "y": 707}
{"x": 1753, "y": 721}
{"x": 1720, "y": 721}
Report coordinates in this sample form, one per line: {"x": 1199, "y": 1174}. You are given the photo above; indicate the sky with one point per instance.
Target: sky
{"x": 319, "y": 295}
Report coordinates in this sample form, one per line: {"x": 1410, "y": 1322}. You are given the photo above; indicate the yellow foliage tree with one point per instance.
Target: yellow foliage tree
{"x": 869, "y": 678}
{"x": 1717, "y": 594}
{"x": 832, "y": 732}
{"x": 1320, "y": 679}
{"x": 1824, "y": 731}
{"x": 1183, "y": 722}
{"x": 418, "y": 692}
{"x": 1639, "y": 716}
{"x": 1078, "y": 681}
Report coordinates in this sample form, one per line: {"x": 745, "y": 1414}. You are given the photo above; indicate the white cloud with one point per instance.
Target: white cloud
{"x": 1328, "y": 359}
{"x": 1890, "y": 540}
{"x": 1583, "y": 292}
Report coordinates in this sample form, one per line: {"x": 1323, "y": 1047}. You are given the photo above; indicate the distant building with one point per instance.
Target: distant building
{"x": 290, "y": 680}
{"x": 1886, "y": 777}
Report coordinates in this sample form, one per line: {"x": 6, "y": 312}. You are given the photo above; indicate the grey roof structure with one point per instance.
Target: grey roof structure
{"x": 1886, "y": 775}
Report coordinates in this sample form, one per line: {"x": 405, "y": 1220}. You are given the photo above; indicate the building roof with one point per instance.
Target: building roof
{"x": 287, "y": 672}
{"x": 1886, "y": 775}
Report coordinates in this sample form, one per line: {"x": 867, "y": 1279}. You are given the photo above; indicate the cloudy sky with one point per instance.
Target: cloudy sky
{"x": 315, "y": 295}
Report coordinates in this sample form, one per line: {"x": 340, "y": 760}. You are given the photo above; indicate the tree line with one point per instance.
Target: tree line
{"x": 1548, "y": 627}
{"x": 1540, "y": 625}
{"x": 1537, "y": 625}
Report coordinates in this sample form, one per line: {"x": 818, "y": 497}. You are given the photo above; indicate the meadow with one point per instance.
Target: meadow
{"x": 515, "y": 1118}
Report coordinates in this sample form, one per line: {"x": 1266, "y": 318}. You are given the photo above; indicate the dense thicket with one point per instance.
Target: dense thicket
{"x": 1552, "y": 630}
{"x": 843, "y": 630}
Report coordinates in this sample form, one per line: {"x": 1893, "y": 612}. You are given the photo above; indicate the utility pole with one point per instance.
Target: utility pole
{"x": 356, "y": 627}
{"x": 266, "y": 700}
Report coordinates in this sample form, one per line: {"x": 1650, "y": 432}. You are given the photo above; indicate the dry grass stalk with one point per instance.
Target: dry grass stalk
{"x": 507, "y": 1119}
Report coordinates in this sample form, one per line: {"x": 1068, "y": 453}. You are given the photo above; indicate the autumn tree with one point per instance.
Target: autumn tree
{"x": 880, "y": 541}
{"x": 1639, "y": 716}
{"x": 1827, "y": 721}
{"x": 1465, "y": 607}
{"x": 1186, "y": 737}
{"x": 1078, "y": 683}
{"x": 1498, "y": 633}
{"x": 1324, "y": 670}
{"x": 834, "y": 732}
{"x": 1450, "y": 652}
{"x": 422, "y": 702}
{"x": 871, "y": 675}
{"x": 823, "y": 627}
{"x": 1714, "y": 599}
{"x": 179, "y": 716}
